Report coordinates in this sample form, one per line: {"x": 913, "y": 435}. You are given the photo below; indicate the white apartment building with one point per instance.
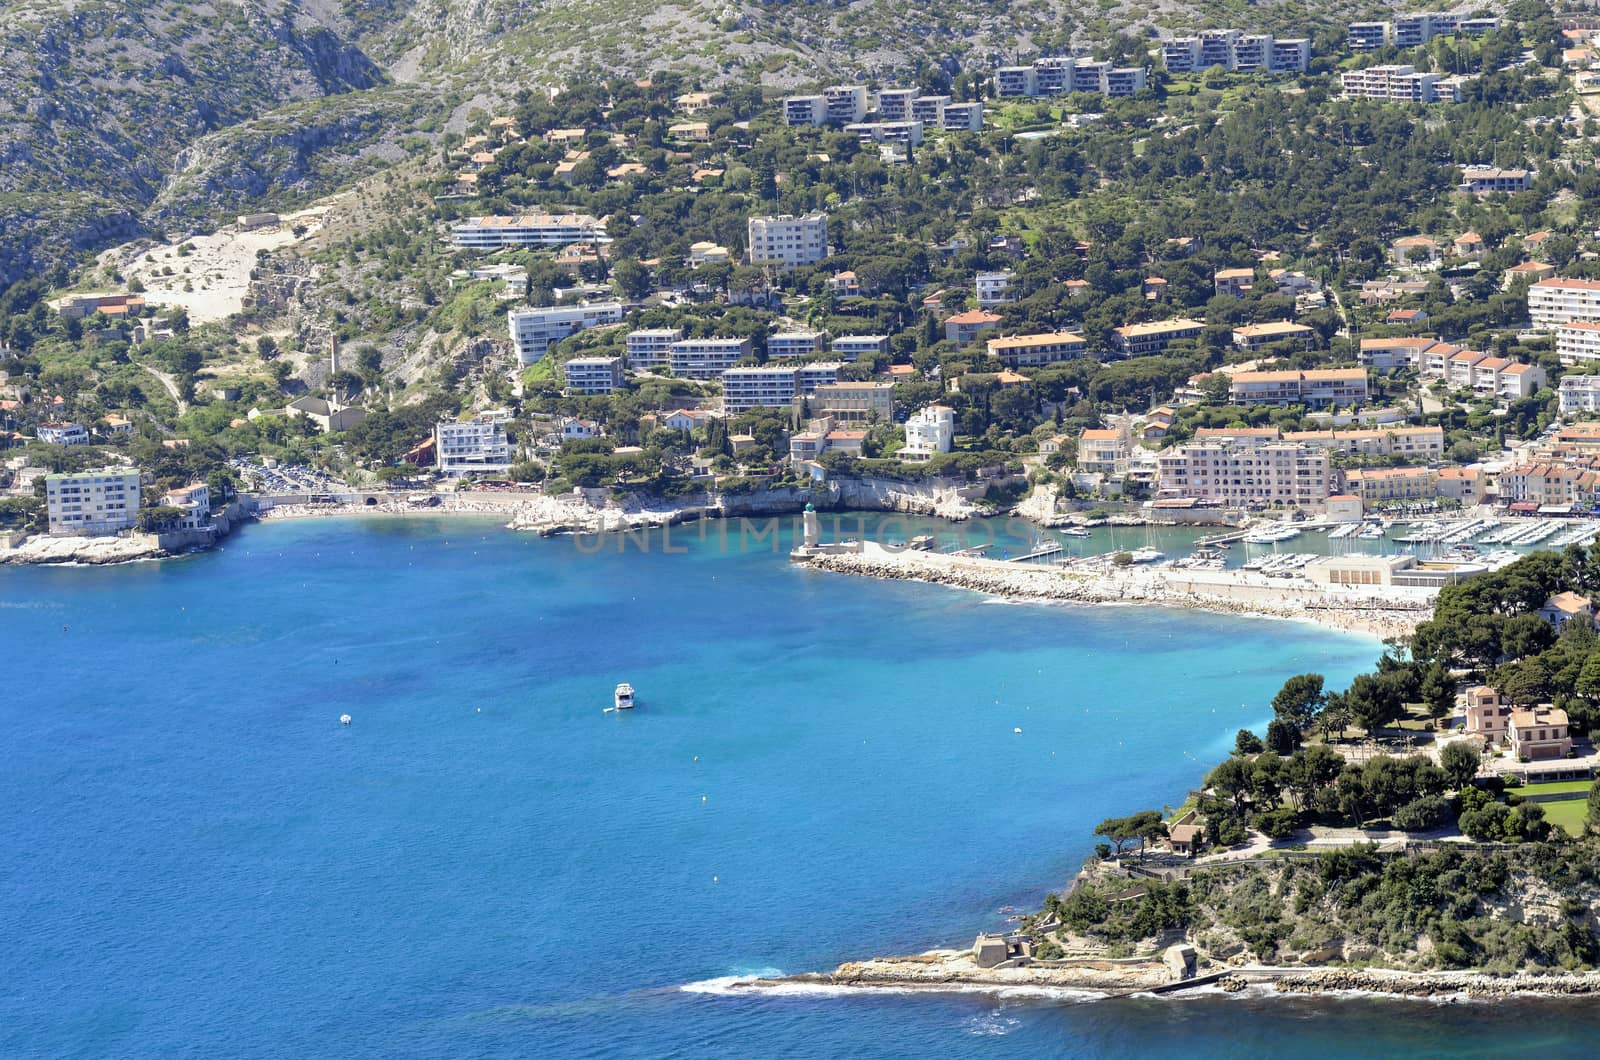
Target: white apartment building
{"x": 1314, "y": 388}
{"x": 1255, "y": 336}
{"x": 528, "y": 230}
{"x": 533, "y": 329}
{"x": 1579, "y": 393}
{"x": 1389, "y": 354}
{"x": 1396, "y": 84}
{"x": 992, "y": 288}
{"x": 92, "y": 502}
{"x": 1291, "y": 56}
{"x": 788, "y": 240}
{"x": 894, "y": 104}
{"x": 796, "y": 344}
{"x": 61, "y": 432}
{"x": 762, "y": 386}
{"x": 1059, "y": 74}
{"x": 1234, "y": 50}
{"x": 593, "y": 375}
{"x": 929, "y": 110}
{"x": 930, "y": 431}
{"x": 706, "y": 358}
{"x": 1104, "y": 451}
{"x": 854, "y": 347}
{"x": 478, "y": 444}
{"x": 849, "y": 402}
{"x": 887, "y": 132}
{"x": 962, "y": 117}
{"x": 1136, "y": 339}
{"x": 1030, "y": 351}
{"x": 650, "y": 348}
{"x": 846, "y": 103}
{"x": 1554, "y": 302}
{"x": 1578, "y": 343}
{"x": 1011, "y": 82}
{"x": 818, "y": 373}
{"x": 1423, "y": 443}
{"x": 1277, "y": 473}
{"x": 805, "y": 110}
{"x": 1367, "y": 36}
{"x": 773, "y": 386}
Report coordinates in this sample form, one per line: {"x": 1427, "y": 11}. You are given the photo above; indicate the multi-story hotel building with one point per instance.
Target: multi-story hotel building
{"x": 1421, "y": 443}
{"x": 1397, "y": 84}
{"x": 894, "y": 104}
{"x": 1579, "y": 393}
{"x": 773, "y": 386}
{"x": 478, "y": 444}
{"x": 528, "y": 230}
{"x": 92, "y": 502}
{"x": 788, "y": 240}
{"x": 533, "y": 329}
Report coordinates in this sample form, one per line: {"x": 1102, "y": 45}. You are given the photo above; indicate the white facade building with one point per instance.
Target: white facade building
{"x": 593, "y": 375}
{"x": 796, "y": 344}
{"x": 92, "y": 502}
{"x": 650, "y": 348}
{"x": 962, "y": 117}
{"x": 62, "y": 433}
{"x": 1222, "y": 473}
{"x": 854, "y": 347}
{"x": 478, "y": 444}
{"x": 1553, "y": 302}
{"x": 846, "y": 103}
{"x": 1579, "y": 393}
{"x": 706, "y": 358}
{"x": 528, "y": 230}
{"x": 929, "y": 432}
{"x": 894, "y": 104}
{"x": 788, "y": 240}
{"x": 195, "y": 502}
{"x": 534, "y": 329}
{"x": 993, "y": 288}
{"x": 763, "y": 386}
{"x": 805, "y": 110}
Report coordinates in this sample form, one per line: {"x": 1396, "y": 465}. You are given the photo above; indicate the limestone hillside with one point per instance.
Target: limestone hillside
{"x": 120, "y": 118}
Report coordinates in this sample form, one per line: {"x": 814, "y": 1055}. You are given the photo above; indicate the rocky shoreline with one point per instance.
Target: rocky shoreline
{"x": 953, "y": 971}
{"x": 1224, "y": 592}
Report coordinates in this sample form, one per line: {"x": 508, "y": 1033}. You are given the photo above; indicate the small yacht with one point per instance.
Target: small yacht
{"x": 622, "y": 699}
{"x": 1074, "y": 531}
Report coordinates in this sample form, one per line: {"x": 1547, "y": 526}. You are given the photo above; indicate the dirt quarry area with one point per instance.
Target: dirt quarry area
{"x": 209, "y": 275}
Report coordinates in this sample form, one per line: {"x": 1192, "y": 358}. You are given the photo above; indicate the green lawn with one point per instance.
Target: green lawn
{"x": 1568, "y": 814}
{"x": 1560, "y": 787}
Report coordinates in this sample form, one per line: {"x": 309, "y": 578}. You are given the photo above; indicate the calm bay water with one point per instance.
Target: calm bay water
{"x": 200, "y": 860}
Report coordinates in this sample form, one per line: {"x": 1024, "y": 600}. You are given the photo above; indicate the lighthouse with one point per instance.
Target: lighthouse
{"x": 811, "y": 528}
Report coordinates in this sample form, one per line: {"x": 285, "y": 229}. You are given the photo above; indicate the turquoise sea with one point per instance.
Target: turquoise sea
{"x": 198, "y": 859}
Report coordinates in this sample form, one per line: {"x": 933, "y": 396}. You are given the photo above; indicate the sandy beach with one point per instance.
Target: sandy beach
{"x": 1227, "y": 592}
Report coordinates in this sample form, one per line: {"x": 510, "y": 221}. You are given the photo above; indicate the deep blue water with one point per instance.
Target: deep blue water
{"x": 199, "y": 860}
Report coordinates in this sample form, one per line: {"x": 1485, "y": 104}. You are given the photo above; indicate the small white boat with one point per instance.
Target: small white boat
{"x": 1074, "y": 531}
{"x": 622, "y": 699}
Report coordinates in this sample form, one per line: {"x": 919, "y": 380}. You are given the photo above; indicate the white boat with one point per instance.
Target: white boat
{"x": 1073, "y": 531}
{"x": 1145, "y": 555}
{"x": 622, "y": 699}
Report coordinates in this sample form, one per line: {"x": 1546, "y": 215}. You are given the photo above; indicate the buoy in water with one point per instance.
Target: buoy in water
{"x": 1017, "y": 731}
{"x": 344, "y": 719}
